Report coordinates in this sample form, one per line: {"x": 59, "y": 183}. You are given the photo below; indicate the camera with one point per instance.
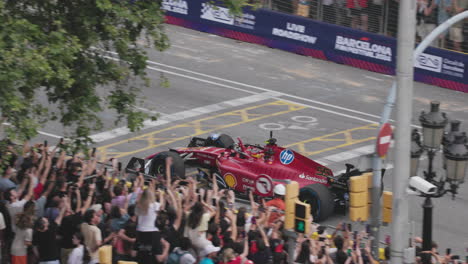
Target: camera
{"x": 422, "y": 185}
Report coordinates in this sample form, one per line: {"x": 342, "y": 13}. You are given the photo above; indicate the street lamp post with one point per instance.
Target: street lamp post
{"x": 455, "y": 161}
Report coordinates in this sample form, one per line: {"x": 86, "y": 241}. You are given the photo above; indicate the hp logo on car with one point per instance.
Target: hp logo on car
{"x": 286, "y": 156}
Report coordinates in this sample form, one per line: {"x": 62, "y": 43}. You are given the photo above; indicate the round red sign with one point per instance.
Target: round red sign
{"x": 264, "y": 184}
{"x": 383, "y": 139}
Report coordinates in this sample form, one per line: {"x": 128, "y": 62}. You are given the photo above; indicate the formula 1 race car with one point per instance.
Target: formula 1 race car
{"x": 242, "y": 167}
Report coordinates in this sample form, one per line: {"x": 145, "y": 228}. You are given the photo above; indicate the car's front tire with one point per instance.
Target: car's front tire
{"x": 158, "y": 165}
{"x": 321, "y": 201}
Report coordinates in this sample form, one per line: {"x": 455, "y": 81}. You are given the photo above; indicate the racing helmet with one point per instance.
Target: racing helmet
{"x": 280, "y": 189}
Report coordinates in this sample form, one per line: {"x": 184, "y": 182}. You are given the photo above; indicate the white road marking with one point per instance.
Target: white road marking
{"x": 185, "y": 48}
{"x": 266, "y": 90}
{"x": 198, "y": 79}
{"x": 117, "y": 132}
{"x": 304, "y": 119}
{"x": 347, "y": 155}
{"x": 373, "y": 78}
{"x": 40, "y": 132}
{"x": 49, "y": 134}
{"x": 262, "y": 89}
{"x": 149, "y": 111}
{"x": 236, "y": 83}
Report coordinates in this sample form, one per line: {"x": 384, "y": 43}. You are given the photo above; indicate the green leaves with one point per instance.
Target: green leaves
{"x": 51, "y": 59}
{"x": 55, "y": 65}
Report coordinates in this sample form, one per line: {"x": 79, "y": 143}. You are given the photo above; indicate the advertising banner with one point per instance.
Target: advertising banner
{"x": 317, "y": 39}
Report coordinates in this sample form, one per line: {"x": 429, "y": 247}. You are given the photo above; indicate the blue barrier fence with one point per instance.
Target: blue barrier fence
{"x": 317, "y": 39}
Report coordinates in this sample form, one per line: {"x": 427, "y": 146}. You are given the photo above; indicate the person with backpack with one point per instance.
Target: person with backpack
{"x": 182, "y": 255}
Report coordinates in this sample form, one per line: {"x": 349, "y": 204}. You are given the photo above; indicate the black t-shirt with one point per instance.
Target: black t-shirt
{"x": 47, "y": 243}
{"x": 172, "y": 236}
{"x": 263, "y": 256}
{"x": 70, "y": 225}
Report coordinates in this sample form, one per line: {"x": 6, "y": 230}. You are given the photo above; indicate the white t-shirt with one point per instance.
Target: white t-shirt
{"x": 146, "y": 222}
{"x": 14, "y": 209}
{"x": 92, "y": 237}
{"x": 76, "y": 256}
{"x": 18, "y": 247}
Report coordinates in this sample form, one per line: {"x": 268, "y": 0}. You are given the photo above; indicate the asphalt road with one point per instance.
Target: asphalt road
{"x": 325, "y": 110}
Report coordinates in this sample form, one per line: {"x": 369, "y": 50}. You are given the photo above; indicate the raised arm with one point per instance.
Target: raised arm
{"x": 89, "y": 199}
{"x": 168, "y": 172}
{"x": 245, "y": 253}
{"x": 61, "y": 159}
{"x": 45, "y": 173}
{"x": 264, "y": 236}
{"x": 233, "y": 219}
{"x": 78, "y": 200}
{"x": 50, "y": 187}
{"x": 179, "y": 214}
{"x": 30, "y": 193}
{"x": 26, "y": 148}
{"x": 58, "y": 219}
{"x": 43, "y": 160}
{"x": 84, "y": 173}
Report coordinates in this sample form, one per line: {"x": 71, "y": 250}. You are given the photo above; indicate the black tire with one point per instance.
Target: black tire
{"x": 158, "y": 166}
{"x": 321, "y": 201}
{"x": 223, "y": 141}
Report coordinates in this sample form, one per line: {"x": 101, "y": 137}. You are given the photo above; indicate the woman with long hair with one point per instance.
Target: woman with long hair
{"x": 197, "y": 225}
{"x": 148, "y": 241}
{"x": 79, "y": 254}
{"x": 23, "y": 237}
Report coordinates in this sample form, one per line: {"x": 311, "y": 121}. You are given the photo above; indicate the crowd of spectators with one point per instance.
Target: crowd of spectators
{"x": 59, "y": 209}
{"x": 381, "y": 16}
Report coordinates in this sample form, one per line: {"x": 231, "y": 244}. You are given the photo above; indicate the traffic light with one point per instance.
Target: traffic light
{"x": 297, "y": 213}
{"x": 302, "y": 214}
{"x": 387, "y": 207}
{"x": 358, "y": 198}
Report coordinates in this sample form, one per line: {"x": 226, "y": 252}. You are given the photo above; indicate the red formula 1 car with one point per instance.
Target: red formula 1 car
{"x": 243, "y": 167}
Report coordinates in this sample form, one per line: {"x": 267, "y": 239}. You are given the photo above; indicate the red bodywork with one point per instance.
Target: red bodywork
{"x": 248, "y": 168}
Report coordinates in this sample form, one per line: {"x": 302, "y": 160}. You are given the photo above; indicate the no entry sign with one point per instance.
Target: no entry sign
{"x": 383, "y": 140}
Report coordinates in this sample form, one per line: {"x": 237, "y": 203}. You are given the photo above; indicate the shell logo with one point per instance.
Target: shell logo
{"x": 230, "y": 180}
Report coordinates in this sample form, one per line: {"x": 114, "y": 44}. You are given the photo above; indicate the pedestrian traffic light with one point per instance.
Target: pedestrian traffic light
{"x": 358, "y": 198}
{"x": 302, "y": 215}
{"x": 387, "y": 207}
{"x": 297, "y": 213}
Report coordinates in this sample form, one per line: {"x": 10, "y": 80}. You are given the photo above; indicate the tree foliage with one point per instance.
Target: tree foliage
{"x": 56, "y": 57}
{"x": 55, "y": 51}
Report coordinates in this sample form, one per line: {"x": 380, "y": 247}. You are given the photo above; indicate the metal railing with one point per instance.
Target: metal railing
{"x": 375, "y": 16}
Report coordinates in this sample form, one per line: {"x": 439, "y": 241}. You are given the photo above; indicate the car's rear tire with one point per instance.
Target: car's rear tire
{"x": 158, "y": 166}
{"x": 223, "y": 141}
{"x": 320, "y": 199}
